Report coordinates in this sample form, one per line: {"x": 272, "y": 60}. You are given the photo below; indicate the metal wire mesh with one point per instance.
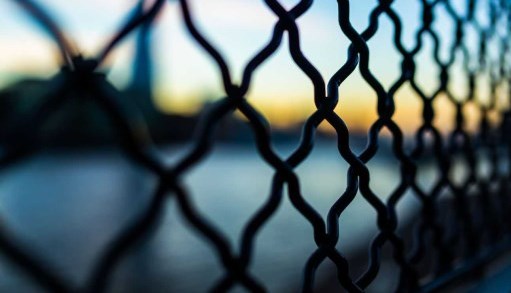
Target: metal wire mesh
{"x": 457, "y": 245}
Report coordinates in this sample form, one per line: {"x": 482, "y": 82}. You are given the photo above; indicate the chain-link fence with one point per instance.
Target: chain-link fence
{"x": 476, "y": 230}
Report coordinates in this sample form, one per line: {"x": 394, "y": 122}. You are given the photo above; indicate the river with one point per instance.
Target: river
{"x": 66, "y": 206}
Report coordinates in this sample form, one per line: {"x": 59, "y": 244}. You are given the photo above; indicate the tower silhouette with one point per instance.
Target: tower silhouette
{"x": 141, "y": 86}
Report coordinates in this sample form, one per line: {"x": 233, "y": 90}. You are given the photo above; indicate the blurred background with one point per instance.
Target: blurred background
{"x": 66, "y": 202}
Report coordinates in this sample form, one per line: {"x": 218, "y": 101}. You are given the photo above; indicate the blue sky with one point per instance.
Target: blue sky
{"x": 239, "y": 28}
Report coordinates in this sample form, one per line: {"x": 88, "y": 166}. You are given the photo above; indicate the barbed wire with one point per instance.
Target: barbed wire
{"x": 460, "y": 243}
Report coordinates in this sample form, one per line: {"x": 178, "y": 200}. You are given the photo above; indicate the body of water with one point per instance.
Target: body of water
{"x": 65, "y": 207}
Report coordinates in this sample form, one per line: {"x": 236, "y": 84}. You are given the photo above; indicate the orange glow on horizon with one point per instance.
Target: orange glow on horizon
{"x": 358, "y": 115}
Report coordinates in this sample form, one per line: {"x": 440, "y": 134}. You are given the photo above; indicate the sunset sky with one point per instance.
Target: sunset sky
{"x": 185, "y": 76}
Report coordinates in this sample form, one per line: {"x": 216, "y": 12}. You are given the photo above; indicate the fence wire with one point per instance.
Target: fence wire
{"x": 466, "y": 240}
